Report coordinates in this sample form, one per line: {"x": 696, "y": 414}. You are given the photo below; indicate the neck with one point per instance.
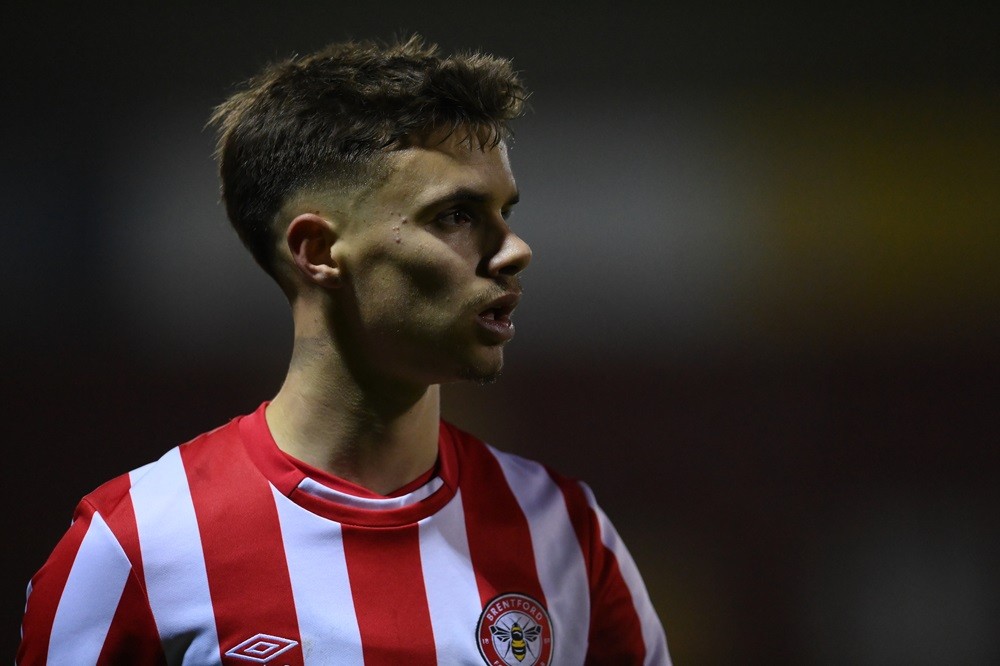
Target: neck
{"x": 376, "y": 435}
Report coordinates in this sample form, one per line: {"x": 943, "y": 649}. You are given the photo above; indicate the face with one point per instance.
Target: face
{"x": 431, "y": 266}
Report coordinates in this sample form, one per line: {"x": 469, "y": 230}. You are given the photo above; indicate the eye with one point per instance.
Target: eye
{"x": 456, "y": 217}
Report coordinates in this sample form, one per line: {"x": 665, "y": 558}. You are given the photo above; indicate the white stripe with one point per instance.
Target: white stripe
{"x": 174, "y": 564}
{"x": 314, "y": 551}
{"x": 379, "y": 504}
{"x": 139, "y": 472}
{"x": 562, "y": 571}
{"x": 452, "y": 593}
{"x": 652, "y": 630}
{"x": 90, "y": 598}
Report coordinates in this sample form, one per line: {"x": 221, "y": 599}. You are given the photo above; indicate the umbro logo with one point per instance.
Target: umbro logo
{"x": 261, "y": 648}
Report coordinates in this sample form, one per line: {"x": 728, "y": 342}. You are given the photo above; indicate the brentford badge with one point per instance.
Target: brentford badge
{"x": 515, "y": 630}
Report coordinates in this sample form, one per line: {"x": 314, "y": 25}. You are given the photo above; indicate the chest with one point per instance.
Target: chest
{"x": 319, "y": 592}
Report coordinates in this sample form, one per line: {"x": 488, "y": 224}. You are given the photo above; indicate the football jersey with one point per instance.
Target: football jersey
{"x": 226, "y": 552}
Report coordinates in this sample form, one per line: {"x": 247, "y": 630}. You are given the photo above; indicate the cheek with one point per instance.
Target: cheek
{"x": 429, "y": 267}
{"x": 432, "y": 279}
{"x": 404, "y": 283}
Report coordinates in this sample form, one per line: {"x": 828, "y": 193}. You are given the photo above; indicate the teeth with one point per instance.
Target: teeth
{"x": 490, "y": 314}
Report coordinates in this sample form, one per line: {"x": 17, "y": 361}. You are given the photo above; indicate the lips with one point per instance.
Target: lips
{"x": 495, "y": 318}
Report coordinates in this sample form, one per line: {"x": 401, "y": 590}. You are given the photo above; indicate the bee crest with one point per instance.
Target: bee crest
{"x": 514, "y": 629}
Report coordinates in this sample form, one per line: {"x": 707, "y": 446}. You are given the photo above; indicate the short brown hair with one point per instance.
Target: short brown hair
{"x": 330, "y": 115}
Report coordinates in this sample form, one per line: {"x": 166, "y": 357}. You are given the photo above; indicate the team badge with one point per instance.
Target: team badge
{"x": 515, "y": 630}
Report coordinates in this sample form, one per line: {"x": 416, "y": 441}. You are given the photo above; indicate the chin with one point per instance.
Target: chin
{"x": 483, "y": 371}
{"x": 482, "y": 378}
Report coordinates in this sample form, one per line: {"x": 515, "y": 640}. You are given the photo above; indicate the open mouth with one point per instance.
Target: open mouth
{"x": 496, "y": 318}
{"x": 497, "y": 314}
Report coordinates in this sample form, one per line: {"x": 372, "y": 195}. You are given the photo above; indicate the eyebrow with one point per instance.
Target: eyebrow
{"x": 468, "y": 195}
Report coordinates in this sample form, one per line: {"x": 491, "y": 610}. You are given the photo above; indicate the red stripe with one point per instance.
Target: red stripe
{"x": 497, "y": 530}
{"x": 108, "y": 495}
{"x": 132, "y": 636}
{"x": 244, "y": 553}
{"x": 46, "y": 590}
{"x": 387, "y": 583}
{"x": 615, "y": 626}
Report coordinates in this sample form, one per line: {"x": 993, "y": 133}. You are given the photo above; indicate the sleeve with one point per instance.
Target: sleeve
{"x": 624, "y": 627}
{"x": 86, "y": 605}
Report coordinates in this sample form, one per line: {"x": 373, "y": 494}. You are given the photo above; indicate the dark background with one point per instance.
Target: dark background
{"x": 761, "y": 320}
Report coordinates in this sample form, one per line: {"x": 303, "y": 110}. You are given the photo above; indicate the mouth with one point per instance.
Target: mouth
{"x": 495, "y": 318}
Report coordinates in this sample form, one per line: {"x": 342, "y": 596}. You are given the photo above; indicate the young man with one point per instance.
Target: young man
{"x": 343, "y": 522}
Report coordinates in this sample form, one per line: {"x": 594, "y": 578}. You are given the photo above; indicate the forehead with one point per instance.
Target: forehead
{"x": 423, "y": 172}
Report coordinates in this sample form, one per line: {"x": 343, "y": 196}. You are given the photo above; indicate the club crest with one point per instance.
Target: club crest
{"x": 515, "y": 630}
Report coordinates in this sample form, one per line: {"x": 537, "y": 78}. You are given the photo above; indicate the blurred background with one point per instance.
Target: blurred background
{"x": 761, "y": 319}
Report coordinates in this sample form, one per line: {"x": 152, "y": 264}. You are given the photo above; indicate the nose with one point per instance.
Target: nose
{"x": 512, "y": 257}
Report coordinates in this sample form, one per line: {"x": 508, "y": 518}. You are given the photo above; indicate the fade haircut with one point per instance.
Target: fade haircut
{"x": 330, "y": 118}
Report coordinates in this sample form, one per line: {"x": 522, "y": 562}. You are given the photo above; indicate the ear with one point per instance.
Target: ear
{"x": 310, "y": 240}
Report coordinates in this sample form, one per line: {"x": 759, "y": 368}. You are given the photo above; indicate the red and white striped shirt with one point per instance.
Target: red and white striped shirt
{"x": 225, "y": 552}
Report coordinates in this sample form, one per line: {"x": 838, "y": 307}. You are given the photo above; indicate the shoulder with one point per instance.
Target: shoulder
{"x": 165, "y": 478}
{"x": 532, "y": 482}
